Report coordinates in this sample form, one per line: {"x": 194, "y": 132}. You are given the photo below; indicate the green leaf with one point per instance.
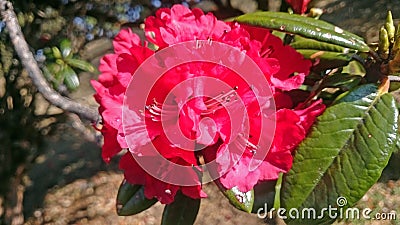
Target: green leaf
{"x": 241, "y": 200}
{"x": 344, "y": 154}
{"x": 357, "y": 94}
{"x": 325, "y": 59}
{"x": 131, "y": 199}
{"x": 340, "y": 79}
{"x": 71, "y": 79}
{"x": 66, "y": 47}
{"x": 126, "y": 191}
{"x": 354, "y": 68}
{"x": 54, "y": 73}
{"x": 325, "y": 55}
{"x": 306, "y": 43}
{"x": 183, "y": 211}
{"x": 53, "y": 68}
{"x": 306, "y": 27}
{"x": 280, "y": 35}
{"x": 80, "y": 64}
{"x": 56, "y": 53}
{"x": 278, "y": 187}
{"x": 394, "y": 85}
{"x": 48, "y": 52}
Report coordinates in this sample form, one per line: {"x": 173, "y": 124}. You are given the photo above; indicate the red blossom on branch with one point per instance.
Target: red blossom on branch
{"x": 282, "y": 66}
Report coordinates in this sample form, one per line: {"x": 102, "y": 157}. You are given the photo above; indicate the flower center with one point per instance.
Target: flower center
{"x": 170, "y": 111}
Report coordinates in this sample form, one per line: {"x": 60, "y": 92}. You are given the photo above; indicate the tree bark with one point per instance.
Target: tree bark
{"x": 28, "y": 61}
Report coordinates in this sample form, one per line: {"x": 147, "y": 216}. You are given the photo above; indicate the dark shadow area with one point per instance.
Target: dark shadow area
{"x": 67, "y": 156}
{"x": 391, "y": 172}
{"x": 361, "y": 17}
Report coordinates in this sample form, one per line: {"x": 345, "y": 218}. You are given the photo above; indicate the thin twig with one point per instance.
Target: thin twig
{"x": 30, "y": 64}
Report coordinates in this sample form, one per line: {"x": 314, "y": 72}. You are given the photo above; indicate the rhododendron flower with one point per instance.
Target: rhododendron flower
{"x": 284, "y": 70}
{"x": 299, "y": 6}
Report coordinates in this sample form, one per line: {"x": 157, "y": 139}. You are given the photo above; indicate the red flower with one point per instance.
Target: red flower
{"x": 299, "y": 6}
{"x": 206, "y": 121}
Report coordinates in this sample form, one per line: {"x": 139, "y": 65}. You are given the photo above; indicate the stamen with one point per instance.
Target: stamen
{"x": 137, "y": 128}
{"x": 220, "y": 101}
{"x": 246, "y": 143}
{"x": 158, "y": 110}
{"x": 266, "y": 52}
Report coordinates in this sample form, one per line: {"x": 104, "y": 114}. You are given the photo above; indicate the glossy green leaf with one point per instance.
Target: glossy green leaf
{"x": 71, "y": 79}
{"x": 183, "y": 211}
{"x": 344, "y": 154}
{"x": 241, "y": 200}
{"x": 316, "y": 23}
{"x": 131, "y": 200}
{"x": 80, "y": 64}
{"x": 306, "y": 27}
{"x": 66, "y": 47}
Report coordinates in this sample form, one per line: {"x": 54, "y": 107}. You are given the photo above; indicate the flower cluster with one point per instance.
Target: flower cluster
{"x": 282, "y": 66}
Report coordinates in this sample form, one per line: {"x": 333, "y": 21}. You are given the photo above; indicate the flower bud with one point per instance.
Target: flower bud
{"x": 396, "y": 45}
{"x": 389, "y": 26}
{"x": 383, "y": 43}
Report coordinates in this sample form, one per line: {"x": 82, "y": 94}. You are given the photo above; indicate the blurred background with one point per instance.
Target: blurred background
{"x": 51, "y": 171}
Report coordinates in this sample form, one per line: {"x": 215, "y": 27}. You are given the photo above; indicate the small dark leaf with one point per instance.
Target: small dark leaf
{"x": 183, "y": 211}
{"x": 264, "y": 194}
{"x": 131, "y": 199}
{"x": 126, "y": 191}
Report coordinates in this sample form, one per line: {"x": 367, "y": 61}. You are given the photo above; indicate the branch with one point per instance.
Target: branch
{"x": 30, "y": 64}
